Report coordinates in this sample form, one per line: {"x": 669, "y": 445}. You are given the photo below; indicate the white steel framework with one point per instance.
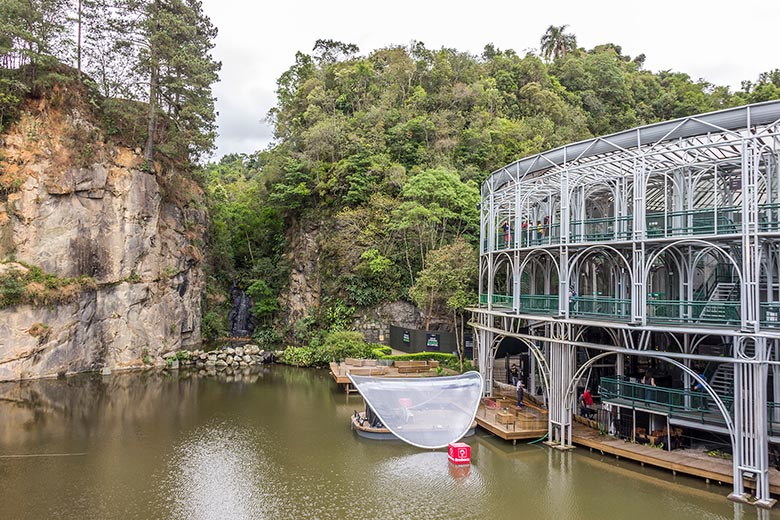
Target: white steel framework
{"x": 658, "y": 246}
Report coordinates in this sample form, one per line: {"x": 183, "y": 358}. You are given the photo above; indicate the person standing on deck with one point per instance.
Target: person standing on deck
{"x": 514, "y": 372}
{"x": 586, "y": 404}
{"x": 519, "y": 393}
{"x": 507, "y": 233}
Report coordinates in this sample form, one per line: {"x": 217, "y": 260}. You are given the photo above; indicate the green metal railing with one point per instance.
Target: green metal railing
{"x": 674, "y": 401}
{"x": 539, "y": 303}
{"x": 769, "y": 314}
{"x": 499, "y": 300}
{"x": 706, "y": 221}
{"x": 703, "y": 221}
{"x": 725, "y": 313}
{"x": 769, "y": 217}
{"x": 600, "y": 307}
{"x": 694, "y": 311}
{"x": 677, "y": 402}
{"x": 602, "y": 229}
{"x": 540, "y": 236}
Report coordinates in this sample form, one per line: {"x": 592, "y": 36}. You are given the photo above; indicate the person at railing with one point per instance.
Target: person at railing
{"x": 524, "y": 233}
{"x": 586, "y": 404}
{"x": 649, "y": 381}
{"x": 539, "y": 231}
{"x": 514, "y": 372}
{"x": 699, "y": 387}
{"x": 546, "y": 227}
{"x": 572, "y": 299}
{"x": 507, "y": 233}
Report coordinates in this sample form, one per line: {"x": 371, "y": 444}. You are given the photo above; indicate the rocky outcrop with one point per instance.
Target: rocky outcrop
{"x": 103, "y": 215}
{"x": 302, "y": 296}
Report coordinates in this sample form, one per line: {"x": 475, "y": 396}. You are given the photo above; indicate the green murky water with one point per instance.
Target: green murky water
{"x": 276, "y": 444}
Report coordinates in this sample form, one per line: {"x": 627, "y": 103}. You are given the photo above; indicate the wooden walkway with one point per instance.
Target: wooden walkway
{"x": 686, "y": 461}
{"x": 369, "y": 367}
{"x": 503, "y": 418}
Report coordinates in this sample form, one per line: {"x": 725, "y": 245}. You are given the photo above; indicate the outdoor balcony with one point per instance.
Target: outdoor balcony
{"x": 709, "y": 313}
{"x": 725, "y": 220}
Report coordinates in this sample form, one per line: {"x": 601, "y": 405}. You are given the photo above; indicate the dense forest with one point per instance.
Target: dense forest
{"x": 384, "y": 154}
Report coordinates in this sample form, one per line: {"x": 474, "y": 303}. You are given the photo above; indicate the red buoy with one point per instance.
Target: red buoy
{"x": 459, "y": 453}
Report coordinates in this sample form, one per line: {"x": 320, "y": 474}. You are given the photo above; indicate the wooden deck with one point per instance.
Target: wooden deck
{"x": 503, "y": 418}
{"x": 369, "y": 367}
{"x": 686, "y": 461}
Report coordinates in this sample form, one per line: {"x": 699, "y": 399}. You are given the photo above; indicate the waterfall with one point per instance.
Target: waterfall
{"x": 240, "y": 318}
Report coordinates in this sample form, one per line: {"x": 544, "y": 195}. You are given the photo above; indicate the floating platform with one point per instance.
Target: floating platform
{"x": 370, "y": 367}
{"x": 503, "y": 418}
{"x": 686, "y": 461}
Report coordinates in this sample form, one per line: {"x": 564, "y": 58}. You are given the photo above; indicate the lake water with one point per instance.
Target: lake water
{"x": 276, "y": 444}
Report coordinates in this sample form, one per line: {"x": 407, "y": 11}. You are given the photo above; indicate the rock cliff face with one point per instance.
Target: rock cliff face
{"x": 304, "y": 294}
{"x": 75, "y": 204}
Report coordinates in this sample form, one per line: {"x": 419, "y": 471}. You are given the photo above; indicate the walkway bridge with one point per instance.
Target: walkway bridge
{"x": 686, "y": 408}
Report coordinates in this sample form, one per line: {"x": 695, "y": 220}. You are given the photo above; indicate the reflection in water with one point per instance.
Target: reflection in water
{"x": 216, "y": 472}
{"x": 274, "y": 442}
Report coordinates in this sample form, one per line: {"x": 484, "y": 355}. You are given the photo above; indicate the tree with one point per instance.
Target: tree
{"x": 173, "y": 41}
{"x": 447, "y": 285}
{"x": 556, "y": 43}
{"x": 32, "y": 32}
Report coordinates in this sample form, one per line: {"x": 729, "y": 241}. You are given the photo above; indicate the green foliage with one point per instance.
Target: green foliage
{"x": 380, "y": 157}
{"x": 265, "y": 299}
{"x": 381, "y": 352}
{"x": 449, "y": 361}
{"x": 267, "y": 338}
{"x": 298, "y": 356}
{"x": 335, "y": 347}
{"x": 340, "y": 316}
{"x": 30, "y": 285}
{"x": 12, "y": 93}
{"x": 214, "y": 326}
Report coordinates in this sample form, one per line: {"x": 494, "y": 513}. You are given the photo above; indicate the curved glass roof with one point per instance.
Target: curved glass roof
{"x": 717, "y": 130}
{"x": 427, "y": 412}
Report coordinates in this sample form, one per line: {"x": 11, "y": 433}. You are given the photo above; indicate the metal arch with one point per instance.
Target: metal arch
{"x": 721, "y": 407}
{"x": 498, "y": 260}
{"x": 536, "y": 352}
{"x": 584, "y": 253}
{"x": 528, "y": 257}
{"x": 691, "y": 241}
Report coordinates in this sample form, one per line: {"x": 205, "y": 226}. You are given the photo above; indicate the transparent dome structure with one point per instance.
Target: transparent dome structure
{"x": 427, "y": 412}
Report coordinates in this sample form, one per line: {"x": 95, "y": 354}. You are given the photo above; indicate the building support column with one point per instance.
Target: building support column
{"x": 751, "y": 450}
{"x": 562, "y": 364}
{"x": 483, "y": 343}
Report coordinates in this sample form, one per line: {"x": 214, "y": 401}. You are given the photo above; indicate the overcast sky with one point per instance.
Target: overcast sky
{"x": 722, "y": 42}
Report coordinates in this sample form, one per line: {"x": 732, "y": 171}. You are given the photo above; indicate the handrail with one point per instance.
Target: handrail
{"x": 669, "y": 400}
{"x": 718, "y": 220}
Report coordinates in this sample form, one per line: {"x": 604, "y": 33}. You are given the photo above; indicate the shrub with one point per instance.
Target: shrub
{"x": 29, "y": 284}
{"x": 298, "y": 356}
{"x": 381, "y": 351}
{"x": 267, "y": 338}
{"x": 445, "y": 360}
{"x": 213, "y": 326}
{"x": 39, "y": 330}
{"x": 337, "y": 346}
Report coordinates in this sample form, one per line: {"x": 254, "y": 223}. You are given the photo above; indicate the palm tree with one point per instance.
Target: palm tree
{"x": 557, "y": 43}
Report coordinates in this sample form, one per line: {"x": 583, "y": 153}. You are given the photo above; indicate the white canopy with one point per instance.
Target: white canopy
{"x": 427, "y": 412}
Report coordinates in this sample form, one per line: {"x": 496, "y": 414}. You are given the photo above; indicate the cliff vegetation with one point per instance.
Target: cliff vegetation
{"x": 369, "y": 193}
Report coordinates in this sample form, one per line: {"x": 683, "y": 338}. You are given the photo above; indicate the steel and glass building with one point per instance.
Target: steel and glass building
{"x": 646, "y": 265}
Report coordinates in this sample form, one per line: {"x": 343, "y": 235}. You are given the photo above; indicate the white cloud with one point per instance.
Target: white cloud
{"x": 718, "y": 41}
